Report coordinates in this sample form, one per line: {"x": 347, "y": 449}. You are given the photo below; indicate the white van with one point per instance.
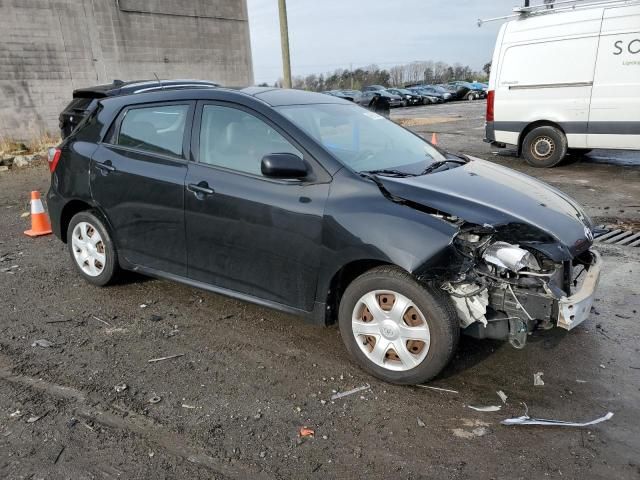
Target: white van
{"x": 566, "y": 79}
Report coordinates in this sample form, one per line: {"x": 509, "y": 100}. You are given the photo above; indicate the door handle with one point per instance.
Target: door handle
{"x": 106, "y": 166}
{"x": 201, "y": 188}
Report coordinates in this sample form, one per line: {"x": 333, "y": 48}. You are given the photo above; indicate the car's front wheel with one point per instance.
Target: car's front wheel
{"x": 397, "y": 329}
{"x": 91, "y": 248}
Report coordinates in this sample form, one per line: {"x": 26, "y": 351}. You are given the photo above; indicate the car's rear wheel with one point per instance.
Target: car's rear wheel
{"x": 397, "y": 329}
{"x": 544, "y": 147}
{"x": 91, "y": 248}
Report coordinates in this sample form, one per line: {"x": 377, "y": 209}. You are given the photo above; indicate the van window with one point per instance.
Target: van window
{"x": 237, "y": 140}
{"x": 158, "y": 129}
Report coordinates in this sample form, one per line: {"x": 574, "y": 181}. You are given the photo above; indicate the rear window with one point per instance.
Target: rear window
{"x": 78, "y": 105}
{"x": 158, "y": 129}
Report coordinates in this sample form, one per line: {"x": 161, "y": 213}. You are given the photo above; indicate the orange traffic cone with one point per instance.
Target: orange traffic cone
{"x": 434, "y": 139}
{"x": 39, "y": 221}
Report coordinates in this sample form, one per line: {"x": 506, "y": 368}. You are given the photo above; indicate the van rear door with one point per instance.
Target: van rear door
{"x": 614, "y": 117}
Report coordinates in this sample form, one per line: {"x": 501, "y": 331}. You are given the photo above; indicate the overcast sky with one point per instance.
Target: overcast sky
{"x": 329, "y": 34}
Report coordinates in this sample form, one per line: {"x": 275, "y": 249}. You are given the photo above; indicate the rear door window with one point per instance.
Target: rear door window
{"x": 157, "y": 129}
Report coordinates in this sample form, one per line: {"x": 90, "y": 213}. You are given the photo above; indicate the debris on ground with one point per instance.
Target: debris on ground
{"x": 527, "y": 420}
{"x": 102, "y": 321}
{"x": 306, "y": 432}
{"x": 537, "y": 379}
{"x": 42, "y": 343}
{"x": 153, "y": 360}
{"x": 155, "y": 399}
{"x": 580, "y": 381}
{"x": 438, "y": 389}
{"x": 59, "y": 455}
{"x": 350, "y": 392}
{"x": 184, "y": 405}
{"x": 121, "y": 387}
{"x": 16, "y": 414}
{"x": 490, "y": 408}
{"x": 421, "y": 424}
{"x": 35, "y": 418}
{"x": 502, "y": 396}
{"x": 155, "y": 318}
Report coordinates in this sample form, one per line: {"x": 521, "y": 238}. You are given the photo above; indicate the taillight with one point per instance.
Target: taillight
{"x": 53, "y": 155}
{"x": 490, "y": 102}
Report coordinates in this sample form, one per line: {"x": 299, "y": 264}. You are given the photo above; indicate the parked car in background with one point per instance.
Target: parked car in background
{"x": 84, "y": 99}
{"x": 451, "y": 90}
{"x": 339, "y": 94}
{"x": 309, "y": 204}
{"x": 567, "y": 80}
{"x": 373, "y": 88}
{"x": 409, "y": 98}
{"x": 468, "y": 91}
{"x": 427, "y": 97}
{"x": 367, "y": 96}
{"x": 355, "y": 94}
{"x": 434, "y": 91}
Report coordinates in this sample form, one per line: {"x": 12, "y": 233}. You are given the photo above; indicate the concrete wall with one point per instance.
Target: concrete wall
{"x": 50, "y": 47}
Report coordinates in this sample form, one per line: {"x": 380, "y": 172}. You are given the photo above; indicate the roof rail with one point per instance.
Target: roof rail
{"x": 554, "y": 6}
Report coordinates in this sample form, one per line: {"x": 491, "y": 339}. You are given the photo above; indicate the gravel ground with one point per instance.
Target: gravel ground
{"x": 232, "y": 405}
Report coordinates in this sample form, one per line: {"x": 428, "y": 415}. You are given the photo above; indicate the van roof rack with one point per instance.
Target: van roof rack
{"x": 553, "y": 6}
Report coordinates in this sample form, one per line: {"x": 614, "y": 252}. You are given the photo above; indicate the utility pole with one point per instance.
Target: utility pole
{"x": 284, "y": 40}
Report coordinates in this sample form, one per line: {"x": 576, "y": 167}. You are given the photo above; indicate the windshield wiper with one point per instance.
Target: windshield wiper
{"x": 388, "y": 172}
{"x": 440, "y": 163}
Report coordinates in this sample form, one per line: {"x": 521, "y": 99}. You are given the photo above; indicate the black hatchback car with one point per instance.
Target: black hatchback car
{"x": 310, "y": 204}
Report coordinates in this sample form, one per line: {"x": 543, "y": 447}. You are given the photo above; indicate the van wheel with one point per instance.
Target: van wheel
{"x": 397, "y": 329}
{"x": 544, "y": 147}
{"x": 91, "y": 249}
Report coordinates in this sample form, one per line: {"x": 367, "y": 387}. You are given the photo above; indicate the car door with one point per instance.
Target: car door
{"x": 137, "y": 180}
{"x": 247, "y": 233}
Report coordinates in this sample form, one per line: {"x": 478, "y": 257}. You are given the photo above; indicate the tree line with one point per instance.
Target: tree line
{"x": 428, "y": 72}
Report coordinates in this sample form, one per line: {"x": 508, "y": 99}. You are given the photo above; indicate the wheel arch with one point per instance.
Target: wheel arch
{"x": 74, "y": 207}
{"x": 341, "y": 279}
{"x": 536, "y": 124}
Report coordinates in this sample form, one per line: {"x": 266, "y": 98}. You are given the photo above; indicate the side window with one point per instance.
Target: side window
{"x": 158, "y": 129}
{"x": 237, "y": 140}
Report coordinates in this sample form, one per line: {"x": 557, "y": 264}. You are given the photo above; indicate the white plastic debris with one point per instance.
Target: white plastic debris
{"x": 421, "y": 424}
{"x": 120, "y": 387}
{"x": 490, "y": 408}
{"x": 537, "y": 379}
{"x": 438, "y": 389}
{"x": 502, "y": 396}
{"x": 42, "y": 343}
{"x": 350, "y": 392}
{"x": 526, "y": 420}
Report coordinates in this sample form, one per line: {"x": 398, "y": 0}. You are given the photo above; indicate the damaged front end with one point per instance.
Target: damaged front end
{"x": 506, "y": 289}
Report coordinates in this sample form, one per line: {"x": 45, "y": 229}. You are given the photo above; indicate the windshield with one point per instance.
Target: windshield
{"x": 363, "y": 140}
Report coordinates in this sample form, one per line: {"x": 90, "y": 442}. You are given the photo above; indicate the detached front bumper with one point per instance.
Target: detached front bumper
{"x": 574, "y": 310}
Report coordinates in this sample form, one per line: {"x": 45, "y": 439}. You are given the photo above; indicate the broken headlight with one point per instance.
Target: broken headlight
{"x": 511, "y": 257}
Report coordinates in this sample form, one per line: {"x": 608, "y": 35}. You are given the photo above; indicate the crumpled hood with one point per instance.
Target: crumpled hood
{"x": 482, "y": 192}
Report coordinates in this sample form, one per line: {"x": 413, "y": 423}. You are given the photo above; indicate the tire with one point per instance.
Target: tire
{"x": 471, "y": 96}
{"x": 544, "y": 147}
{"x": 428, "y": 309}
{"x": 404, "y": 103}
{"x": 95, "y": 259}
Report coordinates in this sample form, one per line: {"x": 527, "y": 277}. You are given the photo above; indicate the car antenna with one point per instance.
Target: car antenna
{"x": 159, "y": 82}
